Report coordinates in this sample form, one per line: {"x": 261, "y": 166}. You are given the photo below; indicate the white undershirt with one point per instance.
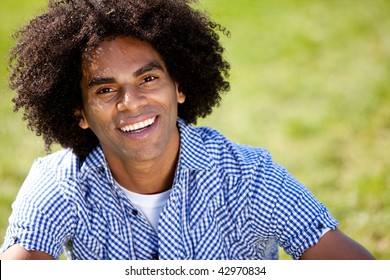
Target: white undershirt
{"x": 150, "y": 205}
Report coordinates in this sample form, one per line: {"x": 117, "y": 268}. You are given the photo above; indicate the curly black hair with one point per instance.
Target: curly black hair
{"x": 45, "y": 64}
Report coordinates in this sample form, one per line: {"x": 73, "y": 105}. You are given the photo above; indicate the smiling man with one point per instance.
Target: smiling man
{"x": 130, "y": 103}
{"x": 118, "y": 84}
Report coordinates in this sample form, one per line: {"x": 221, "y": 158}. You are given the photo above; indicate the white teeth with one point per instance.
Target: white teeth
{"x": 138, "y": 126}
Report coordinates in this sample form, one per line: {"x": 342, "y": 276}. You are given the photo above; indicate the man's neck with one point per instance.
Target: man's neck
{"x": 149, "y": 177}
{"x": 145, "y": 178}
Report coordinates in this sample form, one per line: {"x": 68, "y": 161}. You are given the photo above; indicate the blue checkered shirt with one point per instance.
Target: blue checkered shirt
{"x": 228, "y": 201}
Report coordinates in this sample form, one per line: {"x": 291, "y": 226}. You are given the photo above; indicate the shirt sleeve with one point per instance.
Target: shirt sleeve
{"x": 293, "y": 214}
{"x": 41, "y": 216}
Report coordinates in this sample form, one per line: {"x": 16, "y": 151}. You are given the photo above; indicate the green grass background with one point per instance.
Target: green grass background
{"x": 310, "y": 82}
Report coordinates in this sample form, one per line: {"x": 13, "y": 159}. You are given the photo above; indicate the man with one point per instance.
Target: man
{"x": 117, "y": 84}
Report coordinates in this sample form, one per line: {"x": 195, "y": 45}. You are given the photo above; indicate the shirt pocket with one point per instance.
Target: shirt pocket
{"x": 215, "y": 234}
{"x": 222, "y": 235}
{"x": 100, "y": 235}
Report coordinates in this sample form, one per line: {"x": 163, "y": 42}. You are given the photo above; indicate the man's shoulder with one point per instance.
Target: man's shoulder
{"x": 48, "y": 176}
{"x": 61, "y": 165}
{"x": 229, "y": 154}
{"x": 64, "y": 158}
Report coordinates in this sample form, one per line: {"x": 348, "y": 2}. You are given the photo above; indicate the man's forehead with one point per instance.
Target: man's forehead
{"x": 121, "y": 46}
{"x": 115, "y": 56}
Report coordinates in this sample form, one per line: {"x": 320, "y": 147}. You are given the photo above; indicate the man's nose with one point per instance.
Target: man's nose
{"x": 131, "y": 99}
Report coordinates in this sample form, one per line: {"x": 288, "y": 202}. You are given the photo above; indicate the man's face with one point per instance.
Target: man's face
{"x": 130, "y": 101}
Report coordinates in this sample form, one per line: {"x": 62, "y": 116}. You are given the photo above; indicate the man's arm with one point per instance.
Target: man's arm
{"x": 335, "y": 245}
{"x": 16, "y": 252}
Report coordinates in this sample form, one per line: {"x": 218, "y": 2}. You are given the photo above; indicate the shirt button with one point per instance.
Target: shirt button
{"x": 134, "y": 212}
{"x": 154, "y": 257}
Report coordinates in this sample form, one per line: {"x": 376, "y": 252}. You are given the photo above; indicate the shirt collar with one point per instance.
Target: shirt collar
{"x": 96, "y": 162}
{"x": 94, "y": 159}
{"x": 193, "y": 154}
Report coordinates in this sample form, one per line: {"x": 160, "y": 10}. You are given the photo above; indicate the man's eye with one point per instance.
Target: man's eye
{"x": 104, "y": 90}
{"x": 148, "y": 79}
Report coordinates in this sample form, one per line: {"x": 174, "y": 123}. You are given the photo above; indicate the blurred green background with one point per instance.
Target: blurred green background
{"x": 310, "y": 82}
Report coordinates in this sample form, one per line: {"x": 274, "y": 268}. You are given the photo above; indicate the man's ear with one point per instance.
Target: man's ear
{"x": 181, "y": 97}
{"x": 83, "y": 123}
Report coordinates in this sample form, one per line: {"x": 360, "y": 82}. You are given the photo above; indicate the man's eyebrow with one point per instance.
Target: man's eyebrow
{"x": 96, "y": 81}
{"x": 148, "y": 67}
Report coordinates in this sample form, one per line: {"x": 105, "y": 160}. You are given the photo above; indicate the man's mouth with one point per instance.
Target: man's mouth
{"x": 138, "y": 127}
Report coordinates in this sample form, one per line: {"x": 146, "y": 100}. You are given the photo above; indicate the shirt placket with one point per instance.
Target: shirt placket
{"x": 143, "y": 239}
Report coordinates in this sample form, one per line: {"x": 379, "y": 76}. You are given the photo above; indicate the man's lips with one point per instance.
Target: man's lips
{"x": 139, "y": 126}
